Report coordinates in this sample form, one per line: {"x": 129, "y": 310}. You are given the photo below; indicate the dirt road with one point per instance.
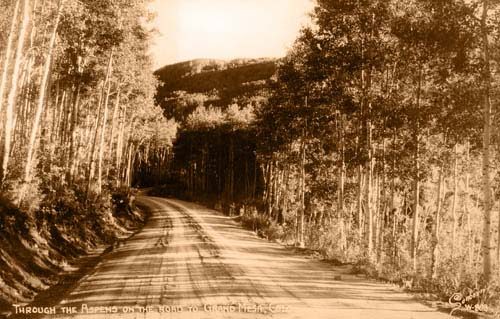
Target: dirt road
{"x": 191, "y": 262}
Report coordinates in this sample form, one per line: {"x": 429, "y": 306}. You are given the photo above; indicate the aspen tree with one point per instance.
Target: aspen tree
{"x": 102, "y": 140}
{"x": 41, "y": 98}
{"x": 6, "y": 61}
{"x": 487, "y": 246}
{"x": 11, "y": 100}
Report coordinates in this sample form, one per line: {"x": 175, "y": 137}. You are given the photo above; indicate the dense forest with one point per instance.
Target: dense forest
{"x": 375, "y": 142}
{"x": 76, "y": 111}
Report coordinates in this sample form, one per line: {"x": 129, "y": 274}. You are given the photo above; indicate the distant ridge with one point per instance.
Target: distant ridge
{"x": 204, "y": 65}
{"x": 224, "y": 81}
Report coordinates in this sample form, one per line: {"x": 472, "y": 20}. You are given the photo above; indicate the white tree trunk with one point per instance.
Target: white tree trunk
{"x": 41, "y": 97}
{"x": 113, "y": 128}
{"x": 11, "y": 100}
{"x": 487, "y": 247}
{"x": 102, "y": 139}
{"x": 6, "y": 61}
{"x": 104, "y": 95}
{"x": 454, "y": 202}
{"x": 416, "y": 179}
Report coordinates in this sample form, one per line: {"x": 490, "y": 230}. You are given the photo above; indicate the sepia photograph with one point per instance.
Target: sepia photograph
{"x": 249, "y": 159}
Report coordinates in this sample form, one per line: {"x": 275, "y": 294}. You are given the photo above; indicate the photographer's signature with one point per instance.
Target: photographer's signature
{"x": 468, "y": 302}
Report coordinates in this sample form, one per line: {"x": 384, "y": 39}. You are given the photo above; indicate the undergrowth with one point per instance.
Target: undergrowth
{"x": 44, "y": 233}
{"x": 453, "y": 279}
{"x": 262, "y": 225}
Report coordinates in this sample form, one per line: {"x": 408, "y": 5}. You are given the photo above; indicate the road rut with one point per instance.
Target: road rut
{"x": 193, "y": 262}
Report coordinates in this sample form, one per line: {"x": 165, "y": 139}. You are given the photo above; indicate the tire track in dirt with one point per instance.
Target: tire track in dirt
{"x": 188, "y": 255}
{"x": 219, "y": 269}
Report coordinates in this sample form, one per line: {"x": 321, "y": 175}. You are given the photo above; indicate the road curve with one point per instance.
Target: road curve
{"x": 192, "y": 262}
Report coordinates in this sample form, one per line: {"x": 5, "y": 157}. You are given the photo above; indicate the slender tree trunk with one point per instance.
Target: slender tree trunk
{"x": 11, "y": 100}
{"x": 102, "y": 96}
{"x": 128, "y": 179}
{"x": 393, "y": 198}
{"x": 303, "y": 179}
{"x": 230, "y": 175}
{"x": 52, "y": 119}
{"x": 8, "y": 53}
{"x": 470, "y": 235}
{"x": 102, "y": 140}
{"x": 41, "y": 98}
{"x": 360, "y": 203}
{"x": 302, "y": 193}
{"x": 454, "y": 202}
{"x": 254, "y": 184}
{"x": 487, "y": 246}
{"x": 498, "y": 245}
{"x": 30, "y": 85}
{"x": 340, "y": 191}
{"x": 74, "y": 122}
{"x": 437, "y": 224}
{"x": 63, "y": 118}
{"x": 23, "y": 101}
{"x": 383, "y": 203}
{"x": 366, "y": 78}
{"x": 416, "y": 215}
{"x": 29, "y": 96}
{"x": 368, "y": 193}
{"x": 267, "y": 184}
{"x": 416, "y": 178}
{"x": 376, "y": 215}
{"x": 93, "y": 141}
{"x": 119, "y": 146}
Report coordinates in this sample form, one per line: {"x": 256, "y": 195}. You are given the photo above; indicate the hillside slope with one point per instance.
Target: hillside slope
{"x": 37, "y": 251}
{"x": 186, "y": 85}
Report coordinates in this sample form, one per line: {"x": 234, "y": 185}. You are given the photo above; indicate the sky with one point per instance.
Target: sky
{"x": 226, "y": 29}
